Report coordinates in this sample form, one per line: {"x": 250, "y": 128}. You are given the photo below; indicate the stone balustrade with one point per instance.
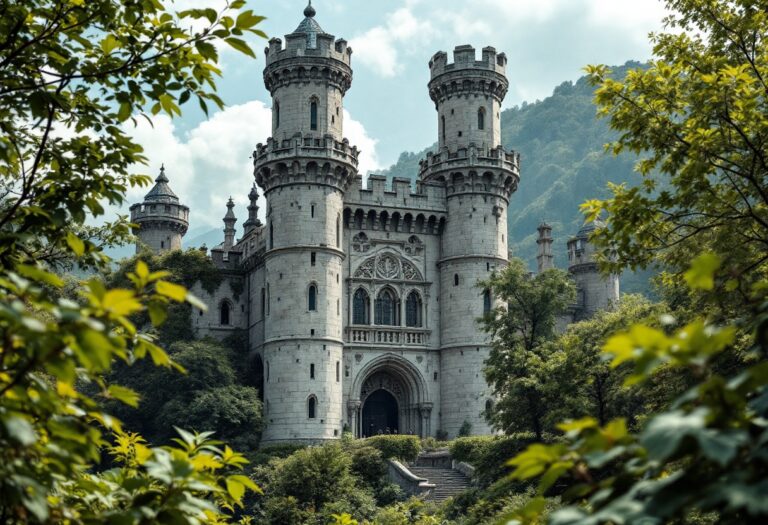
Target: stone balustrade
{"x": 388, "y": 335}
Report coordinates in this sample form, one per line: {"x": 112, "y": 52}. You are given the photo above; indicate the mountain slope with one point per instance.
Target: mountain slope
{"x": 563, "y": 163}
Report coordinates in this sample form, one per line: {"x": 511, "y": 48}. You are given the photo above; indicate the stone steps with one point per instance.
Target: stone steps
{"x": 448, "y": 482}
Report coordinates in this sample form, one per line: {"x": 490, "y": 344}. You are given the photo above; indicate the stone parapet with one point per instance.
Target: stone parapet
{"x": 473, "y": 170}
{"x": 305, "y": 159}
{"x": 467, "y": 76}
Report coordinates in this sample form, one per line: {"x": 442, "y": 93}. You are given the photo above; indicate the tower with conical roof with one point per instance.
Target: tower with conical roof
{"x": 161, "y": 220}
{"x": 229, "y": 225}
{"x": 253, "y": 211}
{"x": 304, "y": 169}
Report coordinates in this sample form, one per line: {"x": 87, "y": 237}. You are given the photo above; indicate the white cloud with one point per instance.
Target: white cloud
{"x": 379, "y": 48}
{"x": 212, "y": 161}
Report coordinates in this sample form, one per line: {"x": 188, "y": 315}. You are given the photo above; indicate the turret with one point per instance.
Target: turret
{"x": 594, "y": 291}
{"x": 161, "y": 221}
{"x": 304, "y": 170}
{"x": 229, "y": 225}
{"x": 253, "y": 211}
{"x": 479, "y": 177}
{"x": 544, "y": 258}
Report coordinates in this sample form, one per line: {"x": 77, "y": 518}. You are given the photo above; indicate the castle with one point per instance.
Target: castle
{"x": 361, "y": 302}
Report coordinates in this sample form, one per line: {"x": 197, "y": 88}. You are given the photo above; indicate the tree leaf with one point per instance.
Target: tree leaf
{"x": 173, "y": 291}
{"x": 240, "y": 45}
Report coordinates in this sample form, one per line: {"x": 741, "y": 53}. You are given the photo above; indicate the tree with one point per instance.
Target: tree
{"x": 699, "y": 114}
{"x": 589, "y": 386}
{"x": 518, "y": 368}
{"x": 696, "y": 116}
{"x": 72, "y": 74}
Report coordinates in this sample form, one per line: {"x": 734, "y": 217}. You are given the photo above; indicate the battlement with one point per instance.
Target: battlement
{"x": 464, "y": 58}
{"x": 477, "y": 158}
{"x": 307, "y": 145}
{"x": 400, "y": 194}
{"x": 143, "y": 212}
{"x": 298, "y": 45}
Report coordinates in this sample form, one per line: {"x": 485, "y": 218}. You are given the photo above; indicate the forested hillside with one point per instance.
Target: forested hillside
{"x": 563, "y": 163}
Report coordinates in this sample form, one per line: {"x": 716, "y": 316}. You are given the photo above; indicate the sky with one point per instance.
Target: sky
{"x": 387, "y": 110}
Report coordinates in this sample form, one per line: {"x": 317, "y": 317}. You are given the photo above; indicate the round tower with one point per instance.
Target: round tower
{"x": 479, "y": 177}
{"x": 544, "y": 258}
{"x": 594, "y": 291}
{"x": 304, "y": 170}
{"x": 161, "y": 221}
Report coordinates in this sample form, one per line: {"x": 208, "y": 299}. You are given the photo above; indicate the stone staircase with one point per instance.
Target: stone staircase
{"x": 448, "y": 482}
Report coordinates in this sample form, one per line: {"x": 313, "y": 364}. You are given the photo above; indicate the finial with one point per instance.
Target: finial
{"x": 162, "y": 177}
{"x": 230, "y": 203}
{"x": 254, "y": 194}
{"x": 309, "y": 11}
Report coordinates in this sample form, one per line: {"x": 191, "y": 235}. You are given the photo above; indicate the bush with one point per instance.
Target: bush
{"x": 388, "y": 494}
{"x": 368, "y": 465}
{"x": 441, "y": 435}
{"x": 396, "y": 446}
{"x": 466, "y": 429}
{"x": 488, "y": 454}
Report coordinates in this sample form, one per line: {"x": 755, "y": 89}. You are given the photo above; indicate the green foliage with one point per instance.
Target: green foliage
{"x": 697, "y": 117}
{"x": 465, "y": 429}
{"x": 72, "y": 74}
{"x": 519, "y": 368}
{"x": 320, "y": 482}
{"x": 488, "y": 454}
{"x": 401, "y": 447}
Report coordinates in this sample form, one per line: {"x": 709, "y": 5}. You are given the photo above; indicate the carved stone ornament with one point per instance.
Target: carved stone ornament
{"x": 360, "y": 243}
{"x": 387, "y": 267}
{"x": 381, "y": 380}
{"x": 414, "y": 246}
{"x": 366, "y": 269}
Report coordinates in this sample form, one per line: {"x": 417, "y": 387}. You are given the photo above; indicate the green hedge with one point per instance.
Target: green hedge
{"x": 395, "y": 446}
{"x": 488, "y": 454}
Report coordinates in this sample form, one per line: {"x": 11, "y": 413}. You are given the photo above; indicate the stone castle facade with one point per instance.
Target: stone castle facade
{"x": 361, "y": 302}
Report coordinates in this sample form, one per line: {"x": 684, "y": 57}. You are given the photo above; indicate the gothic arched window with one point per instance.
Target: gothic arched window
{"x": 311, "y": 407}
{"x": 360, "y": 307}
{"x": 313, "y": 115}
{"x": 224, "y": 313}
{"x": 312, "y": 299}
{"x": 413, "y": 310}
{"x": 486, "y": 301}
{"x": 481, "y": 118}
{"x": 387, "y": 308}
{"x": 456, "y": 279}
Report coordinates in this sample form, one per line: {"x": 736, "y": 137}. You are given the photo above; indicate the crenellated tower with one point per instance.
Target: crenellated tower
{"x": 161, "y": 219}
{"x": 304, "y": 170}
{"x": 479, "y": 177}
{"x": 545, "y": 260}
{"x": 594, "y": 291}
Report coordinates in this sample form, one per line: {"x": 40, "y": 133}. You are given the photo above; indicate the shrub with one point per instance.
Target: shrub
{"x": 470, "y": 449}
{"x": 466, "y": 429}
{"x": 441, "y": 435}
{"x": 396, "y": 446}
{"x": 368, "y": 465}
{"x": 488, "y": 454}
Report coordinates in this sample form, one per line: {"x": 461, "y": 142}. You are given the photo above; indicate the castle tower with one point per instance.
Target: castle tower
{"x": 594, "y": 291}
{"x": 304, "y": 170}
{"x": 479, "y": 177}
{"x": 253, "y": 211}
{"x": 161, "y": 220}
{"x": 229, "y": 225}
{"x": 544, "y": 257}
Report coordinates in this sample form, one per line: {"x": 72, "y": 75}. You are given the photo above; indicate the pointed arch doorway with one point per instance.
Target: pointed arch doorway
{"x": 380, "y": 414}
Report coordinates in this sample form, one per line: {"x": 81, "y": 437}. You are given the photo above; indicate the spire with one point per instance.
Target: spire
{"x": 161, "y": 191}
{"x": 544, "y": 258}
{"x": 309, "y": 26}
{"x": 253, "y": 211}
{"x": 229, "y": 225}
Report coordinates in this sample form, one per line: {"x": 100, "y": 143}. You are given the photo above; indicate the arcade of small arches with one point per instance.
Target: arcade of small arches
{"x": 337, "y": 76}
{"x": 389, "y": 395}
{"x": 384, "y": 220}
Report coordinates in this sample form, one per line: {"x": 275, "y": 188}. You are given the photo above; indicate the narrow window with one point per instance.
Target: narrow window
{"x": 338, "y": 371}
{"x": 313, "y": 115}
{"x": 312, "y": 258}
{"x": 312, "y": 211}
{"x": 277, "y": 114}
{"x": 312, "y": 370}
{"x": 360, "y": 307}
{"x": 267, "y": 298}
{"x": 442, "y": 125}
{"x": 486, "y": 302}
{"x": 311, "y": 407}
{"x": 271, "y": 235}
{"x": 481, "y": 118}
{"x": 263, "y": 302}
{"x": 488, "y": 406}
{"x": 312, "y": 298}
{"x": 455, "y": 279}
{"x": 338, "y": 231}
{"x": 267, "y": 371}
{"x": 338, "y": 308}
{"x": 224, "y": 314}
{"x": 413, "y": 310}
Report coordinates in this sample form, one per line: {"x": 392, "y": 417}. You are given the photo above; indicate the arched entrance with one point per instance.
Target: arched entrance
{"x": 389, "y": 392}
{"x": 380, "y": 414}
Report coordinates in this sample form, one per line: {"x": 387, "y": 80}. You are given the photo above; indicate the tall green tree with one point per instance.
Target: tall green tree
{"x": 73, "y": 74}
{"x": 696, "y": 116}
{"x": 519, "y": 365}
